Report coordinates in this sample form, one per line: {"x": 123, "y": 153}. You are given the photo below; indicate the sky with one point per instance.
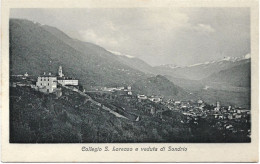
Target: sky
{"x": 178, "y": 36}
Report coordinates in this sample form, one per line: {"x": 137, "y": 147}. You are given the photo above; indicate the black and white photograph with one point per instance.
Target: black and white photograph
{"x": 129, "y": 81}
{"x": 130, "y": 75}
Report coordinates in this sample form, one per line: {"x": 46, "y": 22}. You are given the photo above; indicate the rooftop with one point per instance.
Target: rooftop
{"x": 65, "y": 78}
{"x": 47, "y": 76}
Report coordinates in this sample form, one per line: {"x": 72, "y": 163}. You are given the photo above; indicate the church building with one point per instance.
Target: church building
{"x": 66, "y": 80}
{"x": 48, "y": 83}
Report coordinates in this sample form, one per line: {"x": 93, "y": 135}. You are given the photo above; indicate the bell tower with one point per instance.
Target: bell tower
{"x": 60, "y": 72}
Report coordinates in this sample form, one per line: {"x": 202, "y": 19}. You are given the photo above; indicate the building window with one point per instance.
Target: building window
{"x": 48, "y": 84}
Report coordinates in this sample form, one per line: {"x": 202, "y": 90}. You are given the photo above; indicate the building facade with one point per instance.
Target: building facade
{"x": 47, "y": 84}
{"x": 64, "y": 81}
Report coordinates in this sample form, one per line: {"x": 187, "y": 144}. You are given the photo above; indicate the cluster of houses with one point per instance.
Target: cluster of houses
{"x": 155, "y": 99}
{"x": 196, "y": 109}
{"x": 193, "y": 110}
{"x": 230, "y": 113}
{"x": 127, "y": 90}
{"x": 220, "y": 113}
{"x": 184, "y": 105}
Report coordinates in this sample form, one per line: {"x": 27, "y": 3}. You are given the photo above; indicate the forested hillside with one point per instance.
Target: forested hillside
{"x": 36, "y": 48}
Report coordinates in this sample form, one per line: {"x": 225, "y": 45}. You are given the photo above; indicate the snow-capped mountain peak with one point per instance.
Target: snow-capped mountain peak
{"x": 227, "y": 59}
{"x": 220, "y": 61}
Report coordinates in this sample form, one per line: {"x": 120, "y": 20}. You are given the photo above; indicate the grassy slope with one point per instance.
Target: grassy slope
{"x": 40, "y": 118}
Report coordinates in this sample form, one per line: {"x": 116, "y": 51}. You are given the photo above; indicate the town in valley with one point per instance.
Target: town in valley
{"x": 122, "y": 103}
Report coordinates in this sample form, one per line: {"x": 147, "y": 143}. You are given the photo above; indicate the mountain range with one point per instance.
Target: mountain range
{"x": 197, "y": 76}
{"x": 36, "y": 48}
{"x": 201, "y": 70}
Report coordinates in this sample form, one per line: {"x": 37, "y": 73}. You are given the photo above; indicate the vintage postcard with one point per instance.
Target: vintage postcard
{"x": 130, "y": 81}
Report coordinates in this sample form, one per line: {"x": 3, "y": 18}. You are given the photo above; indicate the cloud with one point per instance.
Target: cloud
{"x": 204, "y": 28}
{"x": 158, "y": 35}
{"x": 141, "y": 30}
{"x": 166, "y": 18}
{"x": 181, "y": 36}
{"x": 91, "y": 36}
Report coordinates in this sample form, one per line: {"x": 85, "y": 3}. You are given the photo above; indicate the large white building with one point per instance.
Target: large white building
{"x": 67, "y": 81}
{"x": 47, "y": 83}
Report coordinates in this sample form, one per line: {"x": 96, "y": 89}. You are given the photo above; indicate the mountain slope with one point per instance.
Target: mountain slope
{"x": 160, "y": 86}
{"x": 201, "y": 70}
{"x": 137, "y": 64}
{"x": 191, "y": 85}
{"x": 132, "y": 62}
{"x": 47, "y": 119}
{"x": 238, "y": 76}
{"x": 36, "y": 49}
